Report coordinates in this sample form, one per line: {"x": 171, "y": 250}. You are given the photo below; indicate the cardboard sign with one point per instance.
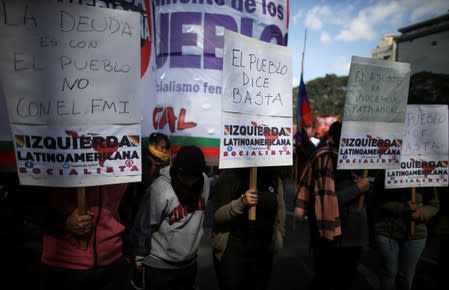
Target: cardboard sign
{"x": 257, "y": 104}
{"x": 373, "y": 119}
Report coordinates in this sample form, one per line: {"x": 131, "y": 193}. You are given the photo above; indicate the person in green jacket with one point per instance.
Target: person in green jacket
{"x": 401, "y": 231}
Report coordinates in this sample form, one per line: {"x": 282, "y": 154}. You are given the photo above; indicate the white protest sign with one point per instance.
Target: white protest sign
{"x": 5, "y": 129}
{"x": 189, "y": 60}
{"x": 76, "y": 157}
{"x": 70, "y": 64}
{"x": 373, "y": 119}
{"x": 424, "y": 156}
{"x": 67, "y": 72}
{"x": 256, "y": 78}
{"x": 254, "y": 93}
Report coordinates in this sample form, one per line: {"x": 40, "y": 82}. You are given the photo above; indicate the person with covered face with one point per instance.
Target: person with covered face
{"x": 176, "y": 201}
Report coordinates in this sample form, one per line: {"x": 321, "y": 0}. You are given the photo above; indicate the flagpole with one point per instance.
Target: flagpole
{"x": 298, "y": 120}
{"x": 303, "y": 51}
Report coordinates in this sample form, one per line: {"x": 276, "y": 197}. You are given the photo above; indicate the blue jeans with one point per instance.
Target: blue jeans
{"x": 399, "y": 259}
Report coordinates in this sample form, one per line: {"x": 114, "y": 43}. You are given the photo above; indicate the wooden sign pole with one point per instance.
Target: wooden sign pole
{"x": 252, "y": 185}
{"x": 412, "y": 223}
{"x": 82, "y": 210}
{"x": 362, "y": 197}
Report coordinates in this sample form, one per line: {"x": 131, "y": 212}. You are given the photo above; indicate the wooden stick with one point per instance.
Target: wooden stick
{"x": 252, "y": 185}
{"x": 295, "y": 183}
{"x": 82, "y": 210}
{"x": 412, "y": 223}
{"x": 362, "y": 197}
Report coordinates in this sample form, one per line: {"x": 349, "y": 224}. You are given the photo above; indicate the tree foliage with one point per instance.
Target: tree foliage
{"x": 326, "y": 95}
{"x": 429, "y": 88}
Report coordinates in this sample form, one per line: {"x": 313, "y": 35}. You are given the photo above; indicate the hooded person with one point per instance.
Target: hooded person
{"x": 173, "y": 209}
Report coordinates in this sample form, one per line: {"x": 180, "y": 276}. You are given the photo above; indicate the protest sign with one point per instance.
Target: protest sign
{"x": 181, "y": 97}
{"x": 77, "y": 157}
{"x": 374, "y": 113}
{"x": 69, "y": 64}
{"x": 257, "y": 104}
{"x": 189, "y": 61}
{"x": 424, "y": 155}
{"x": 69, "y": 68}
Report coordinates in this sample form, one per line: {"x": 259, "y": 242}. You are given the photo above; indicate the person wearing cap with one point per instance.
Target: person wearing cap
{"x": 339, "y": 228}
{"x": 174, "y": 207}
{"x": 243, "y": 249}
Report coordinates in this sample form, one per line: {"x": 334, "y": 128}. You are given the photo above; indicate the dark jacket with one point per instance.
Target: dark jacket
{"x": 229, "y": 208}
{"x": 392, "y": 216}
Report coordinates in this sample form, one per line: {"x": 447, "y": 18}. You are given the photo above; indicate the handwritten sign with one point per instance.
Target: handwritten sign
{"x": 424, "y": 156}
{"x": 374, "y": 113}
{"x": 377, "y": 91}
{"x": 253, "y": 78}
{"x": 71, "y": 78}
{"x": 70, "y": 64}
{"x": 257, "y": 87}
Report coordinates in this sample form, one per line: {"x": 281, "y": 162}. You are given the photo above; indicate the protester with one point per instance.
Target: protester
{"x": 329, "y": 137}
{"x": 243, "y": 249}
{"x": 304, "y": 151}
{"x": 65, "y": 264}
{"x": 338, "y": 226}
{"x": 442, "y": 231}
{"x": 398, "y": 245}
{"x": 155, "y": 157}
{"x": 169, "y": 224}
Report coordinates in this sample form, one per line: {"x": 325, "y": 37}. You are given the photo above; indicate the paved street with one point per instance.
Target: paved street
{"x": 293, "y": 266}
{"x": 20, "y": 244}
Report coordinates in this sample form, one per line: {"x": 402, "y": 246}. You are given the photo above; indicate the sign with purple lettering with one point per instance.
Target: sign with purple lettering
{"x": 374, "y": 113}
{"x": 189, "y": 60}
{"x": 73, "y": 157}
{"x": 424, "y": 155}
{"x": 254, "y": 141}
{"x": 257, "y": 104}
{"x": 67, "y": 66}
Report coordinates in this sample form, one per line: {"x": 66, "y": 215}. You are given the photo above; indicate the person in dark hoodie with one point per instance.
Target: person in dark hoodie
{"x": 169, "y": 224}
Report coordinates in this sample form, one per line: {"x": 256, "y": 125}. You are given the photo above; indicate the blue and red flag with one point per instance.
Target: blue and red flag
{"x": 303, "y": 111}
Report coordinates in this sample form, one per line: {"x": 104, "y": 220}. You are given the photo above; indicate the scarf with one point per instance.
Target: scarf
{"x": 318, "y": 179}
{"x": 159, "y": 155}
